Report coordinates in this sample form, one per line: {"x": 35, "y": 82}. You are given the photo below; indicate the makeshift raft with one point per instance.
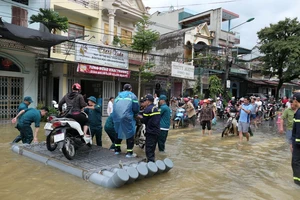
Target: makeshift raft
{"x": 96, "y": 164}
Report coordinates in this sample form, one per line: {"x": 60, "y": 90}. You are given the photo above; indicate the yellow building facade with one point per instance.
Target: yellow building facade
{"x": 101, "y": 28}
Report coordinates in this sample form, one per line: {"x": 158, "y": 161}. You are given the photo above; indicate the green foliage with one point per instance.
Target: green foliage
{"x": 210, "y": 61}
{"x": 197, "y": 86}
{"x": 215, "y": 86}
{"x": 52, "y": 111}
{"x": 144, "y": 39}
{"x": 50, "y": 19}
{"x": 280, "y": 44}
{"x": 116, "y": 40}
{"x": 146, "y": 76}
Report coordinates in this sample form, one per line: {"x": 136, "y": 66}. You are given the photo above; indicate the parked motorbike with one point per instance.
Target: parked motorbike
{"x": 231, "y": 125}
{"x": 269, "y": 112}
{"x": 181, "y": 118}
{"x": 139, "y": 137}
{"x": 65, "y": 134}
{"x": 220, "y": 112}
{"x": 55, "y": 105}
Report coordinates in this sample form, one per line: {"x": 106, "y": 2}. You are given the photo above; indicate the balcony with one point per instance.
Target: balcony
{"x": 224, "y": 36}
{"x": 89, "y": 8}
{"x": 87, "y": 3}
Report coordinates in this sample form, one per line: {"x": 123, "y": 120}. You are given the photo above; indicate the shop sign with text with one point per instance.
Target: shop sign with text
{"x": 98, "y": 55}
{"x": 107, "y": 71}
{"x": 182, "y": 70}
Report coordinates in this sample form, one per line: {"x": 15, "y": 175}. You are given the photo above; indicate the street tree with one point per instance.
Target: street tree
{"x": 215, "y": 86}
{"x": 280, "y": 44}
{"x": 51, "y": 20}
{"x": 143, "y": 41}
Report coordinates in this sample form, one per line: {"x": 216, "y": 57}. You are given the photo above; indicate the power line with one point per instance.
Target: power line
{"x": 103, "y": 7}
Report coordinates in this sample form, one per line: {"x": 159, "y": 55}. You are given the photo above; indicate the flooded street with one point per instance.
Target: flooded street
{"x": 205, "y": 167}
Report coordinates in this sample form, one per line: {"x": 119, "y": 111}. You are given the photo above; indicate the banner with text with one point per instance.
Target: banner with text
{"x": 99, "y": 55}
{"x": 107, "y": 71}
{"x": 182, "y": 70}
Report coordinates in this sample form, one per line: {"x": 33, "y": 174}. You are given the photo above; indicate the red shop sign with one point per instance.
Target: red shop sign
{"x": 107, "y": 71}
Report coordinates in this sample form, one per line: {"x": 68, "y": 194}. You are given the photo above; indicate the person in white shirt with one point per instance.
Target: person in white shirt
{"x": 110, "y": 105}
{"x": 156, "y": 100}
{"x": 259, "y": 110}
{"x": 288, "y": 104}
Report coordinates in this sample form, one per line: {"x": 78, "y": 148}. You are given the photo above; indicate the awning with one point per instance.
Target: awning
{"x": 258, "y": 82}
{"x": 199, "y": 47}
{"x": 30, "y": 37}
{"x": 274, "y": 83}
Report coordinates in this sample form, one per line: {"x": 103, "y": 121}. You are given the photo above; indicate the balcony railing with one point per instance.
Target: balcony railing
{"x": 92, "y": 4}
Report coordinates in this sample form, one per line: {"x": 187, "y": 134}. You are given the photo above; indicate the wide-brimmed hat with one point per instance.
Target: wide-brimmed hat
{"x": 93, "y": 99}
{"x": 162, "y": 97}
{"x": 28, "y": 98}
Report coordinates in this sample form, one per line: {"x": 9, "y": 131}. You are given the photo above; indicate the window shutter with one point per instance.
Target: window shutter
{"x": 24, "y": 16}
{"x": 19, "y": 16}
{"x": 15, "y": 15}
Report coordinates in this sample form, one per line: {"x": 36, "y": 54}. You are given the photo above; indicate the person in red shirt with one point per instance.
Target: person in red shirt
{"x": 284, "y": 101}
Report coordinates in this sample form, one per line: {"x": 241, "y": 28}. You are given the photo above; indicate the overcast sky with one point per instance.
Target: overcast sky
{"x": 265, "y": 12}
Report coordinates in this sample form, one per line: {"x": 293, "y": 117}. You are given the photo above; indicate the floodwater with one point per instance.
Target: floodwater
{"x": 205, "y": 167}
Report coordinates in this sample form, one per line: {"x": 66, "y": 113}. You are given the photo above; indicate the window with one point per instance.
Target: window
{"x": 74, "y": 31}
{"x": 107, "y": 34}
{"x": 25, "y": 2}
{"x": 19, "y": 16}
{"x": 8, "y": 65}
{"x": 126, "y": 36}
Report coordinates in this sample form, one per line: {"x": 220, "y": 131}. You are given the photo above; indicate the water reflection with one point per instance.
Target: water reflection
{"x": 206, "y": 167}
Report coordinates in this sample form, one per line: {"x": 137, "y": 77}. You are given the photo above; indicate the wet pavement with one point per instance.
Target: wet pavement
{"x": 205, "y": 167}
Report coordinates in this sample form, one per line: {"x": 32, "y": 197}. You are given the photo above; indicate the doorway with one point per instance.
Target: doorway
{"x": 11, "y": 91}
{"x": 91, "y": 88}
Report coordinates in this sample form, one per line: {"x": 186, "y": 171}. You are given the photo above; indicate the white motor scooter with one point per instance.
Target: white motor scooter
{"x": 231, "y": 125}
{"x": 66, "y": 134}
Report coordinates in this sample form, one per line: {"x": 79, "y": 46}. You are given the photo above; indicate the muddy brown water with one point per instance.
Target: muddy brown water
{"x": 205, "y": 167}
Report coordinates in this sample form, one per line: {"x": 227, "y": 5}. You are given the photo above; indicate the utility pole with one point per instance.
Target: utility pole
{"x": 228, "y": 62}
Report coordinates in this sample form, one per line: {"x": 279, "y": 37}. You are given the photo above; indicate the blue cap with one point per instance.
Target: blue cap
{"x": 149, "y": 97}
{"x": 28, "y": 98}
{"x": 93, "y": 99}
{"x": 162, "y": 97}
{"x": 296, "y": 96}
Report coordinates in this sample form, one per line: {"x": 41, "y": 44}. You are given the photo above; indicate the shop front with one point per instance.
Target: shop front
{"x": 18, "y": 77}
{"x": 101, "y": 72}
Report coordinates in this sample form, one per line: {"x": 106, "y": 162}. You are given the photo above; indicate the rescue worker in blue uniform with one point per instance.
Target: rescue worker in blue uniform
{"x": 23, "y": 107}
{"x": 110, "y": 130}
{"x": 296, "y": 140}
{"x": 125, "y": 108}
{"x": 94, "y": 112}
{"x": 151, "y": 118}
{"x": 165, "y": 114}
{"x": 31, "y": 115}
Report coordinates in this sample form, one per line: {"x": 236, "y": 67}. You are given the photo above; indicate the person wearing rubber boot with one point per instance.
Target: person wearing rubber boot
{"x": 125, "y": 109}
{"x": 31, "y": 115}
{"x": 296, "y": 140}
{"x": 110, "y": 130}
{"x": 94, "y": 112}
{"x": 151, "y": 118}
{"x": 165, "y": 115}
{"x": 23, "y": 107}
